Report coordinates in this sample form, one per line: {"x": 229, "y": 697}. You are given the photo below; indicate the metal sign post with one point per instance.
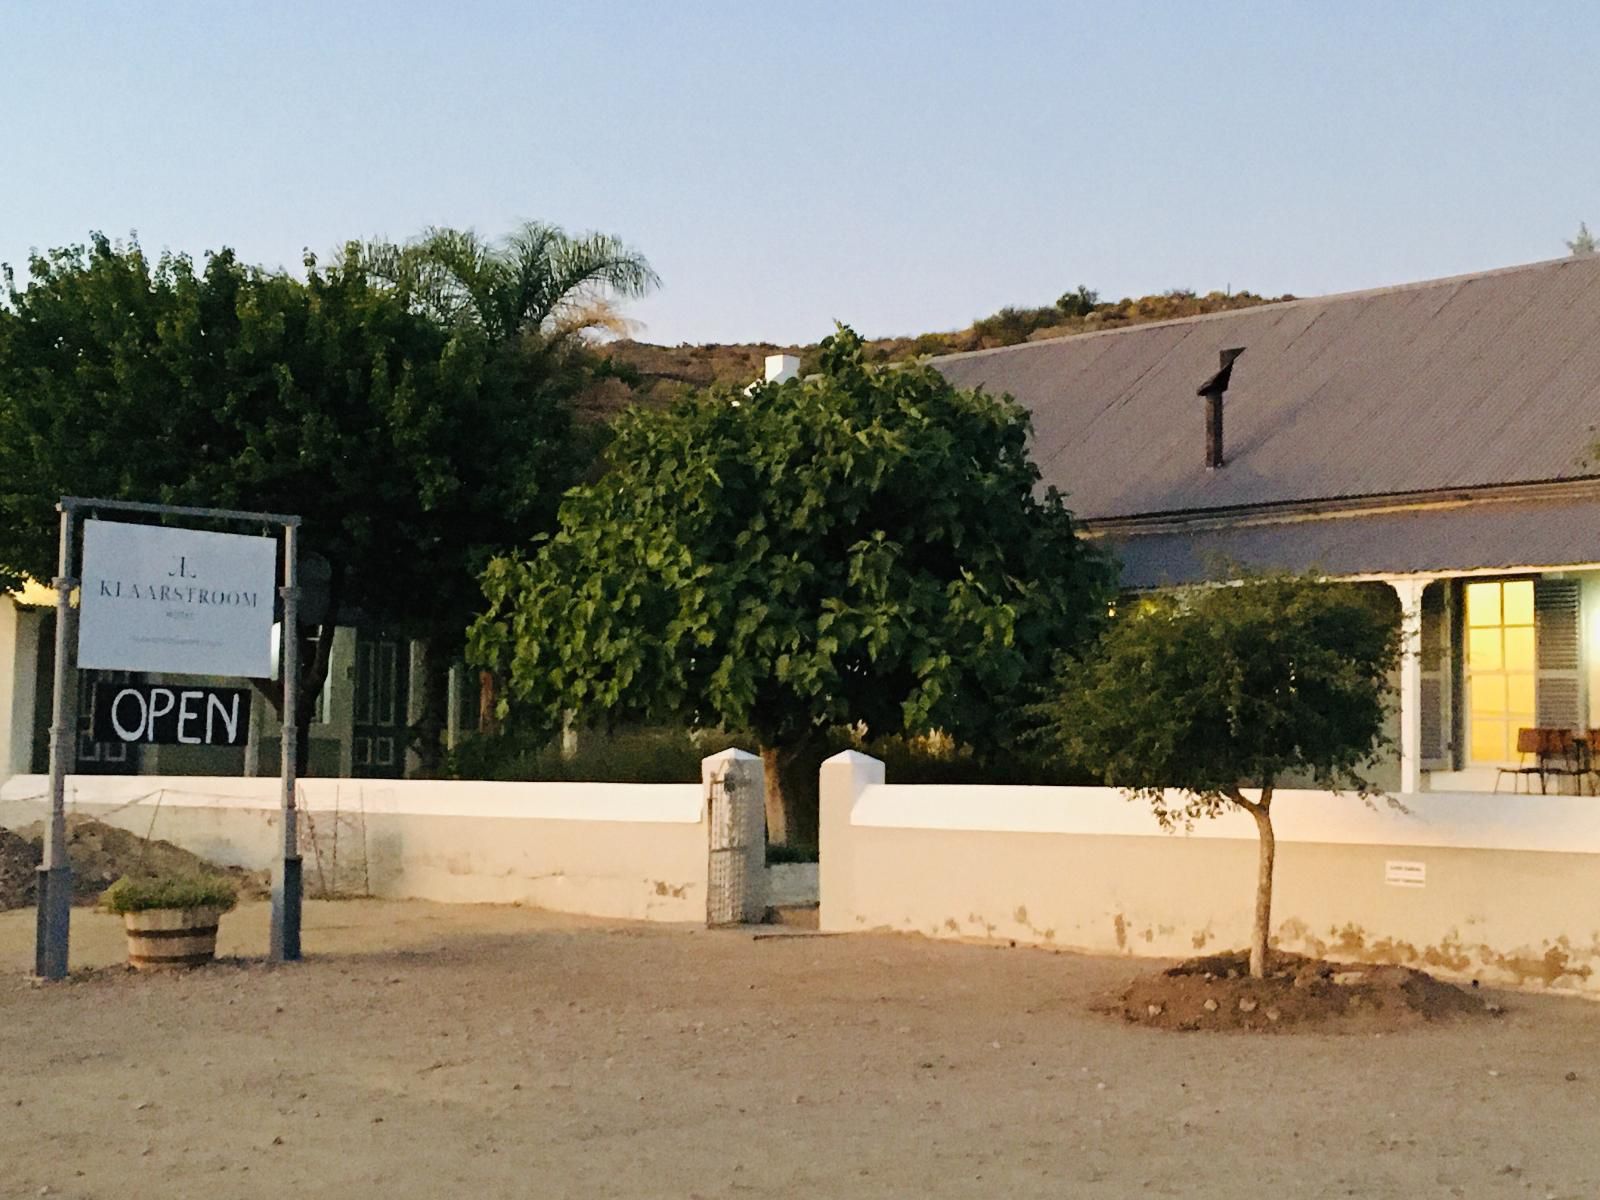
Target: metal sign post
{"x": 285, "y": 936}
{"x": 55, "y": 874}
{"x": 54, "y": 890}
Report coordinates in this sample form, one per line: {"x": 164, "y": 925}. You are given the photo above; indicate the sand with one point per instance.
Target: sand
{"x": 432, "y": 1051}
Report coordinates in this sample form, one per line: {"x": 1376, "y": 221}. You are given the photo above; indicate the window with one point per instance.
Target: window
{"x": 1501, "y": 667}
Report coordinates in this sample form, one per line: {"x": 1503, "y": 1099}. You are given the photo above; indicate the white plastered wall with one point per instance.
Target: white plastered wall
{"x": 1501, "y": 888}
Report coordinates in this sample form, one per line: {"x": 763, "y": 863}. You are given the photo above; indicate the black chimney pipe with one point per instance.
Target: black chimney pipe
{"x": 1212, "y": 389}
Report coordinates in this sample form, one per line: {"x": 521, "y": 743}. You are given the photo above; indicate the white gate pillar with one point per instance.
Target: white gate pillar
{"x": 1410, "y": 593}
{"x": 736, "y": 866}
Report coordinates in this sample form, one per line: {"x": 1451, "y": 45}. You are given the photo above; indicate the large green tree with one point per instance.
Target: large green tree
{"x": 412, "y": 449}
{"x": 1196, "y": 698}
{"x": 869, "y": 545}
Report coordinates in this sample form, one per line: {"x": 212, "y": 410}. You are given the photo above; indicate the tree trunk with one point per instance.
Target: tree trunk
{"x": 1267, "y": 846}
{"x": 791, "y": 800}
{"x": 313, "y": 678}
{"x": 427, "y": 733}
{"x": 488, "y": 719}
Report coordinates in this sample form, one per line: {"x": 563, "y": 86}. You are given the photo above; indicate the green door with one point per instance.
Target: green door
{"x": 378, "y": 748}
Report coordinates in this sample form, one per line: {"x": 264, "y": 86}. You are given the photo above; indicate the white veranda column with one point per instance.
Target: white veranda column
{"x": 1410, "y": 593}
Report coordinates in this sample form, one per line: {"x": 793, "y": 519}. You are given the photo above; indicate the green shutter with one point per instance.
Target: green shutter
{"x": 1558, "y": 691}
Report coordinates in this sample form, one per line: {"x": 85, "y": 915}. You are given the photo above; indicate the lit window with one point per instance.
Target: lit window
{"x": 1500, "y": 667}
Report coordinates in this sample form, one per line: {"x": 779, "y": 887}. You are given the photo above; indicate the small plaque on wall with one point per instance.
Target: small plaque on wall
{"x": 1405, "y": 874}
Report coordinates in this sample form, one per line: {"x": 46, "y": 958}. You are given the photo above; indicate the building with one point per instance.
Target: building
{"x": 1435, "y": 437}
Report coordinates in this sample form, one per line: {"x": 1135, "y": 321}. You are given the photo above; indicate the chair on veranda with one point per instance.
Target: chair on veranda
{"x": 1555, "y": 752}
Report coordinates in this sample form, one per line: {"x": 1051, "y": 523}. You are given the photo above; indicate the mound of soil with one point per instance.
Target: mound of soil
{"x": 101, "y": 854}
{"x": 1216, "y": 992}
{"x": 19, "y": 862}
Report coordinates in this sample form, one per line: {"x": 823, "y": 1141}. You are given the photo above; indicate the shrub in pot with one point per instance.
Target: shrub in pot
{"x": 171, "y": 919}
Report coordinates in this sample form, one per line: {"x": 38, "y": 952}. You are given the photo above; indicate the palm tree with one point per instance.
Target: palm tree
{"x": 538, "y": 280}
{"x": 539, "y": 287}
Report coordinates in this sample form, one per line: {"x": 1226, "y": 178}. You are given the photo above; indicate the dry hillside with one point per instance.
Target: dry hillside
{"x": 644, "y": 373}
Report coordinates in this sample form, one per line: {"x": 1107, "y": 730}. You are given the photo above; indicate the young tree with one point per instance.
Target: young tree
{"x": 413, "y": 451}
{"x": 1583, "y": 243}
{"x": 1212, "y": 691}
{"x": 862, "y": 546}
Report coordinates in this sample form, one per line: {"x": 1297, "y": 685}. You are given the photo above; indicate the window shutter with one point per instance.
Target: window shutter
{"x": 1434, "y": 652}
{"x": 1558, "y": 691}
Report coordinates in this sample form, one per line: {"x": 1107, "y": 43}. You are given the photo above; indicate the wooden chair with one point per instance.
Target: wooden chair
{"x": 1555, "y": 752}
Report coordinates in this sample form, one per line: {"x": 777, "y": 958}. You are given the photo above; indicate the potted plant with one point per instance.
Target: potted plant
{"x": 171, "y": 919}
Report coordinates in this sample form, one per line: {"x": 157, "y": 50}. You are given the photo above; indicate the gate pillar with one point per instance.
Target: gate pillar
{"x": 736, "y": 870}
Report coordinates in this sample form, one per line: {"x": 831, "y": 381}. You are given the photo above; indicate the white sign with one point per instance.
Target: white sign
{"x": 181, "y": 600}
{"x": 1405, "y": 874}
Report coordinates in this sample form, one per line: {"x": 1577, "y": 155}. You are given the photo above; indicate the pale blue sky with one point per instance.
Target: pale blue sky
{"x": 899, "y": 166}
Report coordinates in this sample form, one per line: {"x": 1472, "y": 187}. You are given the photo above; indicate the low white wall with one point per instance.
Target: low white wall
{"x": 613, "y": 850}
{"x": 1502, "y": 888}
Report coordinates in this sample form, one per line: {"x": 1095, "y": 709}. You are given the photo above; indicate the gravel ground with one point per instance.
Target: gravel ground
{"x": 430, "y": 1051}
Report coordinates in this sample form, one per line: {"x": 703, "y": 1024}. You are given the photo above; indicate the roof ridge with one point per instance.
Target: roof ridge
{"x": 1297, "y": 302}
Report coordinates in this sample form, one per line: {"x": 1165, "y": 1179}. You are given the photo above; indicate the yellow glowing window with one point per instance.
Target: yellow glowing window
{"x": 1500, "y": 667}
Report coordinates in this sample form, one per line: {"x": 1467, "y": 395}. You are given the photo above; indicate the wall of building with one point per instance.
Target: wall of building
{"x": 1507, "y": 888}
{"x": 8, "y": 685}
{"x": 612, "y": 850}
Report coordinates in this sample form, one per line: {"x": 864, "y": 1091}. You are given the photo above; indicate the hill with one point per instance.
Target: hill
{"x": 645, "y": 373}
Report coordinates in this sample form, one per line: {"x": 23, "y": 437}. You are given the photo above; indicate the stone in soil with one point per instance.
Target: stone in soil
{"x": 1216, "y": 992}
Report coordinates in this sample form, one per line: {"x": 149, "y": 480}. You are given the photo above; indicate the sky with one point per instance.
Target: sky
{"x": 901, "y": 167}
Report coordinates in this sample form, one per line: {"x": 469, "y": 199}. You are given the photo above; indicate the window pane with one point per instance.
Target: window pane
{"x": 1483, "y": 604}
{"x": 1488, "y": 695}
{"x": 1519, "y": 698}
{"x": 1489, "y": 741}
{"x": 1519, "y": 649}
{"x": 1518, "y": 603}
{"x": 1483, "y": 649}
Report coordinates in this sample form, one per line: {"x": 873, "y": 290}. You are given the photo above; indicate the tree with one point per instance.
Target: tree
{"x": 412, "y": 451}
{"x": 1079, "y": 303}
{"x": 1215, "y": 690}
{"x": 1583, "y": 243}
{"x": 863, "y": 546}
{"x": 539, "y": 281}
{"x": 532, "y": 295}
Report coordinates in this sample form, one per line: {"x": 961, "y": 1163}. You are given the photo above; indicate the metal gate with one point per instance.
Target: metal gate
{"x": 738, "y": 844}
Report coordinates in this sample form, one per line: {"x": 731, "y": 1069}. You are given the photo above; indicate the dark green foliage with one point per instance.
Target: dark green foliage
{"x": 139, "y": 894}
{"x": 1079, "y": 303}
{"x": 1210, "y": 690}
{"x": 864, "y": 547}
{"x": 666, "y": 755}
{"x": 233, "y": 387}
{"x": 1012, "y": 325}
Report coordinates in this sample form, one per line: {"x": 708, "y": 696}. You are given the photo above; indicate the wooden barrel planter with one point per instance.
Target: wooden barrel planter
{"x": 171, "y": 937}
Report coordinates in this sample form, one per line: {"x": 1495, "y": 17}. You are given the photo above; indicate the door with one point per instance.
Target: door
{"x": 378, "y": 733}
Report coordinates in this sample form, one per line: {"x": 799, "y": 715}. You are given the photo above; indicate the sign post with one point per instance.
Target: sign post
{"x": 184, "y": 601}
{"x": 54, "y": 890}
{"x": 285, "y": 934}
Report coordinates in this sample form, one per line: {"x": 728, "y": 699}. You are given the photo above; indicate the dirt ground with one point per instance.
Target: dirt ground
{"x": 432, "y": 1051}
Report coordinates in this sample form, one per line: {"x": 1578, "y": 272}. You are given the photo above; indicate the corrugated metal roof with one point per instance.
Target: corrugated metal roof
{"x": 1493, "y": 535}
{"x": 1458, "y": 383}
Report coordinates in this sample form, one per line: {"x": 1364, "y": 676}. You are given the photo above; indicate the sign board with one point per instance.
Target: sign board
{"x": 182, "y": 600}
{"x": 1405, "y": 874}
{"x": 171, "y": 714}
